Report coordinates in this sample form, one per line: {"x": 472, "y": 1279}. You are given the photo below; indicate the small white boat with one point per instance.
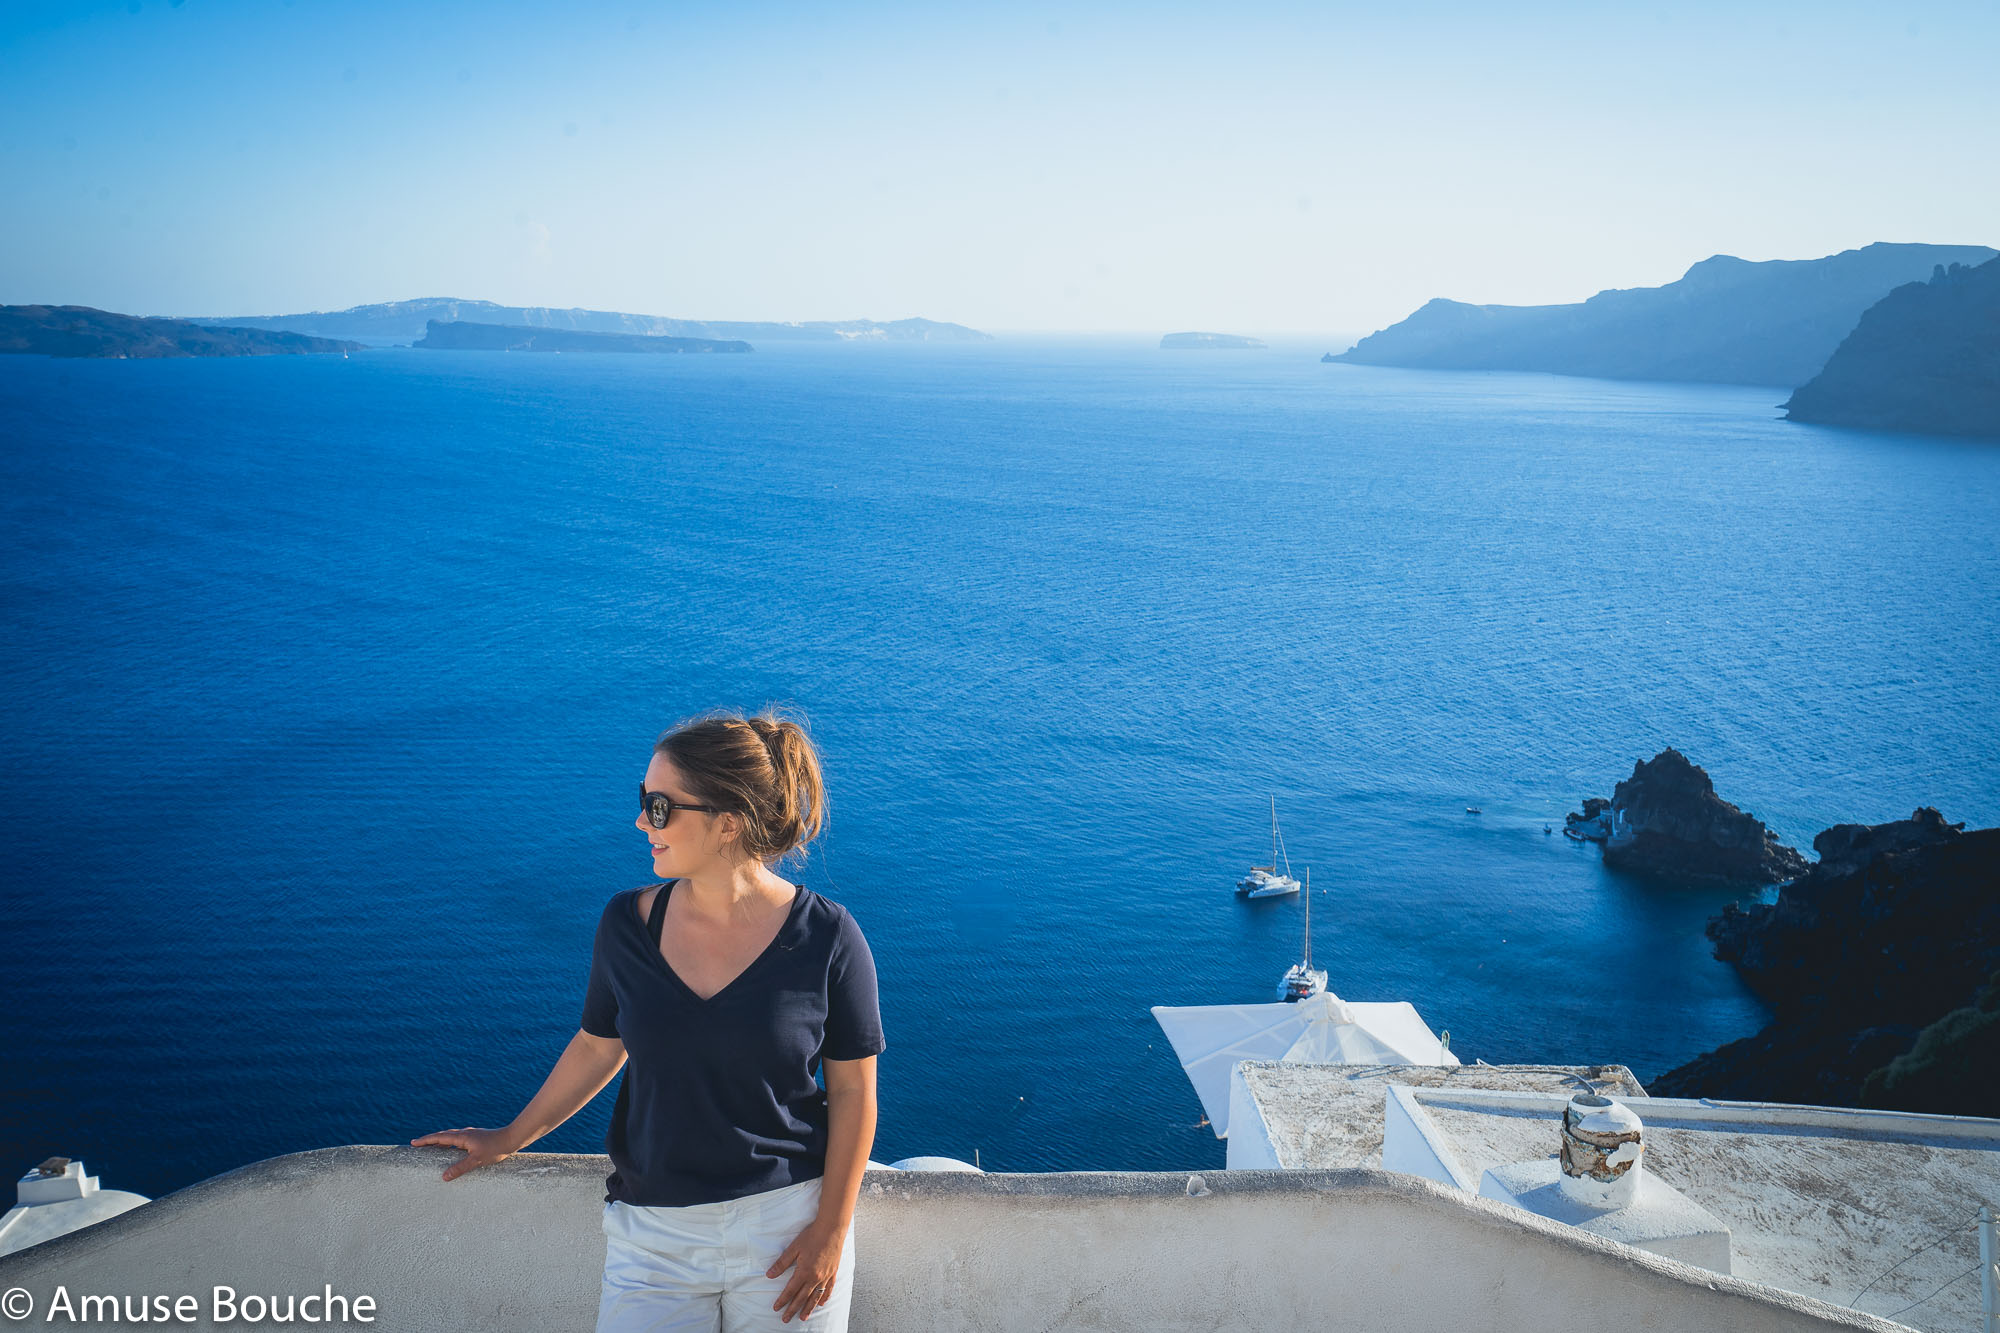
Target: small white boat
{"x": 1266, "y": 881}
{"x": 1302, "y": 981}
{"x": 1262, "y": 883}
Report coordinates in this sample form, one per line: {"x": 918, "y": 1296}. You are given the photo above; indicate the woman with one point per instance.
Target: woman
{"x": 731, "y": 1197}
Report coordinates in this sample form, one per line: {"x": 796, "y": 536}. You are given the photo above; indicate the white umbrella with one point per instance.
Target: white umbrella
{"x": 1211, "y": 1039}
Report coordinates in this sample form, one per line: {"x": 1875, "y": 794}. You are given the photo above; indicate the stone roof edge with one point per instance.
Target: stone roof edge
{"x": 1901, "y": 1126}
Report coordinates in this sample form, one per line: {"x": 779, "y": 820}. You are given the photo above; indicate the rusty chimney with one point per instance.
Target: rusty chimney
{"x": 1601, "y": 1149}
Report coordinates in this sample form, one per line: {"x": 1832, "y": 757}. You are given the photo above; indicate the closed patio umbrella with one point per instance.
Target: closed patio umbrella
{"x": 1325, "y": 1029}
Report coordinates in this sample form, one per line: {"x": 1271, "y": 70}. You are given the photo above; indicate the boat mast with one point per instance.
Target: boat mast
{"x": 1278, "y": 843}
{"x": 1309, "y": 919}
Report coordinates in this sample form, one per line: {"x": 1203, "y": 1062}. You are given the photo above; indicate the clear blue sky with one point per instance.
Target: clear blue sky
{"x": 1253, "y": 168}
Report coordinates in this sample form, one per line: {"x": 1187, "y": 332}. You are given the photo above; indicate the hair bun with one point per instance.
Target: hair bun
{"x": 775, "y": 785}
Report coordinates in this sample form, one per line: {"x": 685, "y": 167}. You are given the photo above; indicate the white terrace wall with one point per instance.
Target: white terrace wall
{"x": 518, "y": 1246}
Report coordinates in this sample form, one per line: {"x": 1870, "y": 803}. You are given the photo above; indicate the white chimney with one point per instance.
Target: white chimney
{"x": 55, "y": 1199}
{"x": 1598, "y": 1183}
{"x": 1603, "y": 1145}
{"x": 56, "y": 1179}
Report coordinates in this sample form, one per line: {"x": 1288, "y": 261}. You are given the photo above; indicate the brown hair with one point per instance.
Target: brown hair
{"x": 763, "y": 768}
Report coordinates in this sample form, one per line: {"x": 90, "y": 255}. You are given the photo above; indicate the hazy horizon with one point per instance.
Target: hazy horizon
{"x": 1296, "y": 171}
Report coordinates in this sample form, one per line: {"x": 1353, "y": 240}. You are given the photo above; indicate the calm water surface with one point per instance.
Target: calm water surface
{"x": 326, "y": 683}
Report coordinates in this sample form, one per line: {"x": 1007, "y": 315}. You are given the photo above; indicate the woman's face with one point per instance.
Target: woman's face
{"x": 688, "y": 844}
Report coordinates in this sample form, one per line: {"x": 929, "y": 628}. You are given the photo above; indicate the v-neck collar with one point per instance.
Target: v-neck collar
{"x": 654, "y": 946}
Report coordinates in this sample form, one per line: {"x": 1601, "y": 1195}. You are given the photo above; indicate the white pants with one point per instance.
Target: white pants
{"x": 700, "y": 1268}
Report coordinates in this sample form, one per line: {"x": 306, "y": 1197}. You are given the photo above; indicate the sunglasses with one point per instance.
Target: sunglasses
{"x": 660, "y": 807}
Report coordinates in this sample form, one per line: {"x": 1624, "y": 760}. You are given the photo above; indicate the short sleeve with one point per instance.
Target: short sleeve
{"x": 853, "y": 1008}
{"x": 600, "y": 1001}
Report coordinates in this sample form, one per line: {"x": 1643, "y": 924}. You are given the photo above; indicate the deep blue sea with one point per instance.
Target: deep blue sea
{"x": 325, "y": 683}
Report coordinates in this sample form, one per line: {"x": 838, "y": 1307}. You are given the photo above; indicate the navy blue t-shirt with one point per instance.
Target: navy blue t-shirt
{"x": 719, "y": 1098}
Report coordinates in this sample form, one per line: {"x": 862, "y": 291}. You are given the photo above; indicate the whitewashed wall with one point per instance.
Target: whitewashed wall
{"x": 519, "y": 1247}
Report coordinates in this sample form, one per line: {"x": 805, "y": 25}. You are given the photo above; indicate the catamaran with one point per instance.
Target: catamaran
{"x": 1302, "y": 982}
{"x": 1265, "y": 881}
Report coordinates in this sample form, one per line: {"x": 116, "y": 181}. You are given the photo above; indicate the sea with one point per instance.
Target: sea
{"x": 325, "y": 683}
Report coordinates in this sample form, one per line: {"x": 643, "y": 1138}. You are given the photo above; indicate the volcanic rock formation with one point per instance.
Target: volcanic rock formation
{"x": 1666, "y": 821}
{"x": 1883, "y": 964}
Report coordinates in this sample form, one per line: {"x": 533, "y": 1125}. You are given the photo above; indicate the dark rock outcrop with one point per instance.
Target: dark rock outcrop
{"x": 1804, "y": 1060}
{"x": 1949, "y": 1058}
{"x": 81, "y": 331}
{"x": 1846, "y": 848}
{"x": 1593, "y": 821}
{"x": 1727, "y": 320}
{"x": 1926, "y": 357}
{"x": 1666, "y": 822}
{"x": 459, "y": 336}
{"x": 1869, "y": 915}
{"x": 1880, "y": 964}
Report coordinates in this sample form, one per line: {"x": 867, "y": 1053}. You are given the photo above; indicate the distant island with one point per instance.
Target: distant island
{"x": 1726, "y": 321}
{"x": 1184, "y": 341}
{"x": 397, "y": 323}
{"x": 461, "y": 336}
{"x": 1926, "y": 357}
{"x": 82, "y": 331}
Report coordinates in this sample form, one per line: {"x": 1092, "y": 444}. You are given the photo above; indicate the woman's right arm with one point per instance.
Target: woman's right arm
{"x": 586, "y": 1066}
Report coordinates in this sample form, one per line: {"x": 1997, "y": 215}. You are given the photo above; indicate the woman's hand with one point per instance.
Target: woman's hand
{"x": 816, "y": 1251}
{"x": 483, "y": 1147}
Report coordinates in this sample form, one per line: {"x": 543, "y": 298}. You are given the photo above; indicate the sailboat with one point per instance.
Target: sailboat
{"x": 1265, "y": 881}
{"x": 1301, "y": 981}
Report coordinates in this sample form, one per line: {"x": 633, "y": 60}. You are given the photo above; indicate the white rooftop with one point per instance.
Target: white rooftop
{"x": 1819, "y": 1201}
{"x": 56, "y": 1198}
{"x": 1212, "y": 1039}
{"x": 1330, "y": 1115}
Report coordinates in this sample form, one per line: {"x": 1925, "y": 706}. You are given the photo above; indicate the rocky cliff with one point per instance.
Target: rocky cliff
{"x": 1926, "y": 357}
{"x": 1726, "y": 320}
{"x": 1665, "y": 821}
{"x": 1880, "y": 963}
{"x": 81, "y": 331}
